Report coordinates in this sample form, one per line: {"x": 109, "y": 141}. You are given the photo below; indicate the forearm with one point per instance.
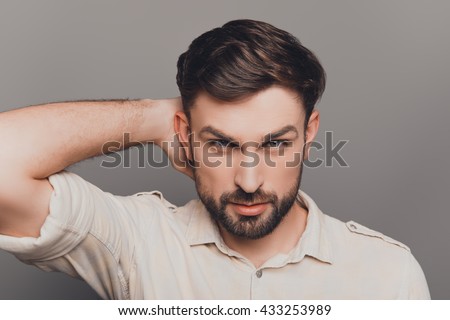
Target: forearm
{"x": 40, "y": 140}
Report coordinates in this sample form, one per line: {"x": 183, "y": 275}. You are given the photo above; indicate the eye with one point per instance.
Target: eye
{"x": 272, "y": 144}
{"x": 220, "y": 144}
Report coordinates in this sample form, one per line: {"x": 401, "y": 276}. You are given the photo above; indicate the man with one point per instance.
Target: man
{"x": 241, "y": 130}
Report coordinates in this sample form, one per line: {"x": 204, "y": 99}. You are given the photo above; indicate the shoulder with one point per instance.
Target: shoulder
{"x": 155, "y": 196}
{"x": 357, "y": 230}
{"x": 167, "y": 212}
{"x": 351, "y": 239}
{"x": 380, "y": 262}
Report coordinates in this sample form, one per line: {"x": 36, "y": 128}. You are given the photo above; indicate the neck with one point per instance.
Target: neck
{"x": 282, "y": 240}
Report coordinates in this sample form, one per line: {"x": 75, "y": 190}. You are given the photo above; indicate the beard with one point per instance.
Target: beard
{"x": 249, "y": 227}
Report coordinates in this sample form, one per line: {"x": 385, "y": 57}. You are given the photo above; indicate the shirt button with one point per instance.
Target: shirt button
{"x": 259, "y": 273}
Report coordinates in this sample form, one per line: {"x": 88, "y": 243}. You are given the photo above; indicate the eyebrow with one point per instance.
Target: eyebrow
{"x": 273, "y": 135}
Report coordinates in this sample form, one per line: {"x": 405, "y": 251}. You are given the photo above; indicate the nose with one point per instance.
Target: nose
{"x": 249, "y": 178}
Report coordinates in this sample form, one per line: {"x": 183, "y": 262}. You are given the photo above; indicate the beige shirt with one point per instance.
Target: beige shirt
{"x": 143, "y": 247}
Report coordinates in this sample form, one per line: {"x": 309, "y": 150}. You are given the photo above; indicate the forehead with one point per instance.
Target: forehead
{"x": 262, "y": 113}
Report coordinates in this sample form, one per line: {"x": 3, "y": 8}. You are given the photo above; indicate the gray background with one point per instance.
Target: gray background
{"x": 387, "y": 93}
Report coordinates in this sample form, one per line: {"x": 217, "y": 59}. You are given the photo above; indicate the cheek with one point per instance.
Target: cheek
{"x": 215, "y": 180}
{"x": 283, "y": 171}
{"x": 281, "y": 178}
{"x": 289, "y": 157}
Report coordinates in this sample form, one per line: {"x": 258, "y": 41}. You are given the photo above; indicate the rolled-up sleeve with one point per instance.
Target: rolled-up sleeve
{"x": 88, "y": 234}
{"x": 66, "y": 225}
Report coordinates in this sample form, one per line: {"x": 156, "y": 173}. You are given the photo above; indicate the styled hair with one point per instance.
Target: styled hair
{"x": 244, "y": 57}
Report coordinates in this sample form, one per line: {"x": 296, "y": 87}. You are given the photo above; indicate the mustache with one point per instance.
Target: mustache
{"x": 241, "y": 196}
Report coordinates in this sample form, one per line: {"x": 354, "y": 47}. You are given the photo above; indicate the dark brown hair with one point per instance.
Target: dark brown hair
{"x": 244, "y": 57}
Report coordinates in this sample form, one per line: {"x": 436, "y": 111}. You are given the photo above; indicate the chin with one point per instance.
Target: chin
{"x": 251, "y": 227}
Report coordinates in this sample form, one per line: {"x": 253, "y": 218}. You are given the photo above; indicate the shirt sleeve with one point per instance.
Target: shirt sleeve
{"x": 415, "y": 286}
{"x": 88, "y": 234}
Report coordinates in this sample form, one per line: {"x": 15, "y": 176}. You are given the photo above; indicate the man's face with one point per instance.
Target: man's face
{"x": 248, "y": 159}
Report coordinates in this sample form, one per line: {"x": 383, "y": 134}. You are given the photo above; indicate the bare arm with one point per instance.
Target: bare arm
{"x": 39, "y": 141}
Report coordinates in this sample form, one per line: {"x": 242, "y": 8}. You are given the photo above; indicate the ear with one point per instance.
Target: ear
{"x": 311, "y": 131}
{"x": 182, "y": 130}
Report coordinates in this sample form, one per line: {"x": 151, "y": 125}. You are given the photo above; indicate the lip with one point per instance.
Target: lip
{"x": 253, "y": 209}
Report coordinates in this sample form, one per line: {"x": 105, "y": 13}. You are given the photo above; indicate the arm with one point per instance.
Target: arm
{"x": 39, "y": 141}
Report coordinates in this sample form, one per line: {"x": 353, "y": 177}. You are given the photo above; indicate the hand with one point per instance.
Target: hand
{"x": 170, "y": 142}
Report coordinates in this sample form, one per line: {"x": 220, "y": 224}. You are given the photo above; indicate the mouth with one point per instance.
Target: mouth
{"x": 248, "y": 204}
{"x": 249, "y": 209}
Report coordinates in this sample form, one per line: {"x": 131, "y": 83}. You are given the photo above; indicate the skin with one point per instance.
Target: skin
{"x": 38, "y": 141}
{"x": 57, "y": 135}
{"x": 221, "y": 178}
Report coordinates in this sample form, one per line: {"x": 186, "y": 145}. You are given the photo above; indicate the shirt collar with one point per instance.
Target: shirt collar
{"x": 314, "y": 241}
{"x": 201, "y": 229}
